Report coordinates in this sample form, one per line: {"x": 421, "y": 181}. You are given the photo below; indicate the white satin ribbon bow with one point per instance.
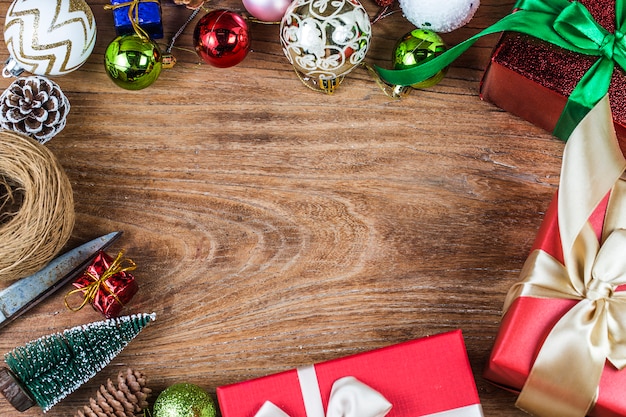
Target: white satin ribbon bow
{"x": 349, "y": 397}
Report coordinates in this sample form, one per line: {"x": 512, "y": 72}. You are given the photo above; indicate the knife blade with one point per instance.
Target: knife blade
{"x": 24, "y": 294}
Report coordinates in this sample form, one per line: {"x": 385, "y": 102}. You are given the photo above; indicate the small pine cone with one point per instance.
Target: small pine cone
{"x": 127, "y": 399}
{"x": 34, "y": 106}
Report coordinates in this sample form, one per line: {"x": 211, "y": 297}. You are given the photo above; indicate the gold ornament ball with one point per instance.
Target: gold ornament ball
{"x": 184, "y": 400}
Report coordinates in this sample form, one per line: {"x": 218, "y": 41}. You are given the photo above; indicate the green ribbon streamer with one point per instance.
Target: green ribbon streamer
{"x": 565, "y": 24}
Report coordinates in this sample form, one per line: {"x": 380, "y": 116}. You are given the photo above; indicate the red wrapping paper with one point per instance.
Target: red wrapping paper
{"x": 115, "y": 292}
{"x": 532, "y": 78}
{"x": 529, "y": 320}
{"x": 419, "y": 378}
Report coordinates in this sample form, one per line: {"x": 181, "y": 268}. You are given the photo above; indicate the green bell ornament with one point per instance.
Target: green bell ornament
{"x": 133, "y": 62}
{"x": 415, "y": 48}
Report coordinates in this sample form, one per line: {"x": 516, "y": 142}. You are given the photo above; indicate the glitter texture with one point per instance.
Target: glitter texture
{"x": 54, "y": 366}
{"x": 558, "y": 69}
{"x": 184, "y": 400}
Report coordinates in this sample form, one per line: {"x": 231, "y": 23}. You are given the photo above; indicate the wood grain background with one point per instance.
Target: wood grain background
{"x": 275, "y": 226}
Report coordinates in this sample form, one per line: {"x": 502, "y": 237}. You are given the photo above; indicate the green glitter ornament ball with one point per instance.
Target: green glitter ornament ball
{"x": 132, "y": 62}
{"x": 417, "y": 47}
{"x": 184, "y": 400}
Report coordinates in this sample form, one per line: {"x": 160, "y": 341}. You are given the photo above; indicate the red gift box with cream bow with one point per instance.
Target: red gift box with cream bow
{"x": 562, "y": 340}
{"x": 417, "y": 378}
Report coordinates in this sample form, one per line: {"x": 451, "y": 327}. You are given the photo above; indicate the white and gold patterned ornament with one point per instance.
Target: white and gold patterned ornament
{"x": 48, "y": 37}
{"x": 325, "y": 39}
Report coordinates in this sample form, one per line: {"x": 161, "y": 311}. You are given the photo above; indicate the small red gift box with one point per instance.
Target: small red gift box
{"x": 418, "y": 378}
{"x": 532, "y": 79}
{"x": 529, "y": 320}
{"x": 106, "y": 284}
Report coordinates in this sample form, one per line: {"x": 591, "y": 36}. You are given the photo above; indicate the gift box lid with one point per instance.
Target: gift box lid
{"x": 419, "y": 378}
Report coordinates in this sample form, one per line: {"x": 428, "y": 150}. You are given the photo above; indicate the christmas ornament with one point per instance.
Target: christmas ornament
{"x": 34, "y": 106}
{"x": 221, "y": 38}
{"x": 184, "y": 400}
{"x": 416, "y": 47}
{"x": 267, "y": 10}
{"x": 36, "y": 206}
{"x": 127, "y": 398}
{"x": 439, "y": 16}
{"x": 324, "y": 40}
{"x": 133, "y": 62}
{"x": 106, "y": 284}
{"x": 48, "y": 37}
{"x": 46, "y": 370}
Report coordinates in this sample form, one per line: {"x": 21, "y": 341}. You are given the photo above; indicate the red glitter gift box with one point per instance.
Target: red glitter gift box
{"x": 418, "y": 378}
{"x": 532, "y": 79}
{"x": 106, "y": 284}
{"x": 529, "y": 320}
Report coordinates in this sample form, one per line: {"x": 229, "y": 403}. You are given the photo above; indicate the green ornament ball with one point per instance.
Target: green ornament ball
{"x": 417, "y": 47}
{"x": 133, "y": 62}
{"x": 184, "y": 400}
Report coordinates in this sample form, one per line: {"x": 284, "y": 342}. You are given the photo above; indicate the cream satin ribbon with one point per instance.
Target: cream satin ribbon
{"x": 349, "y": 397}
{"x": 565, "y": 376}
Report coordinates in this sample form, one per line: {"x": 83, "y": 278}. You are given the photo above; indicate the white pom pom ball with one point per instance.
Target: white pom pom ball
{"x": 437, "y": 15}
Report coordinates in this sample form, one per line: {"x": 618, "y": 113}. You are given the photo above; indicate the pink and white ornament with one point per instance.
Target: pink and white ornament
{"x": 437, "y": 15}
{"x": 267, "y": 10}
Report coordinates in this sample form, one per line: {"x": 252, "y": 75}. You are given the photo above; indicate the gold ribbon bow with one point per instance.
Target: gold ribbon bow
{"x": 133, "y": 14}
{"x": 565, "y": 376}
{"x": 90, "y": 291}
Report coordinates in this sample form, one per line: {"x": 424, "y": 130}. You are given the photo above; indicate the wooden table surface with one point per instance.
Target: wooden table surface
{"x": 274, "y": 226}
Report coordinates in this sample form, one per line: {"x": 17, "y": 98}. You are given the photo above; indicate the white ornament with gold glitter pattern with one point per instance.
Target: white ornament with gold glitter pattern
{"x": 48, "y": 37}
{"x": 325, "y": 39}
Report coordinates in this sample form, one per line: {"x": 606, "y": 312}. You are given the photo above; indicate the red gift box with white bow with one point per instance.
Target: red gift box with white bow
{"x": 418, "y": 378}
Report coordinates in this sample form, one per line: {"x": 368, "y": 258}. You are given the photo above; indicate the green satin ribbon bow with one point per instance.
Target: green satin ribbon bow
{"x": 566, "y": 24}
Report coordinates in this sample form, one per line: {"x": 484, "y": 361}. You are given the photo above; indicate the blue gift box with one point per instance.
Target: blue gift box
{"x": 149, "y": 13}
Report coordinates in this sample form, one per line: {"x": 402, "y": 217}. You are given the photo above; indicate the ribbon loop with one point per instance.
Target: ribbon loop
{"x": 610, "y": 264}
{"x": 349, "y": 397}
{"x": 577, "y": 26}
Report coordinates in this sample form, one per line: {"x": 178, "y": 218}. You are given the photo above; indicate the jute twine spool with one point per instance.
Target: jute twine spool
{"x": 36, "y": 206}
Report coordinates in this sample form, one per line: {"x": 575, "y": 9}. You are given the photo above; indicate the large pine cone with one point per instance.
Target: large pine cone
{"x": 34, "y": 106}
{"x": 127, "y": 399}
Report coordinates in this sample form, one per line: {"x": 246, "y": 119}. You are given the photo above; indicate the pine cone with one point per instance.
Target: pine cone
{"x": 34, "y": 106}
{"x": 127, "y": 399}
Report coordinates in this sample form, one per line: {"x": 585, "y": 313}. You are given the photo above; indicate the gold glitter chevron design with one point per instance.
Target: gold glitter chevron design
{"x": 32, "y": 28}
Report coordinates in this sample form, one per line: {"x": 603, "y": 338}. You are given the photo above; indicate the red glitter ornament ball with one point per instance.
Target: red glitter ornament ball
{"x": 221, "y": 38}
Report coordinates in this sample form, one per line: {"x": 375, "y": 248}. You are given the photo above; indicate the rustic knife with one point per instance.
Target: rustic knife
{"x": 29, "y": 291}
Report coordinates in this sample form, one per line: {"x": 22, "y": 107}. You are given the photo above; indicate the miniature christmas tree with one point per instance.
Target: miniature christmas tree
{"x": 46, "y": 370}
